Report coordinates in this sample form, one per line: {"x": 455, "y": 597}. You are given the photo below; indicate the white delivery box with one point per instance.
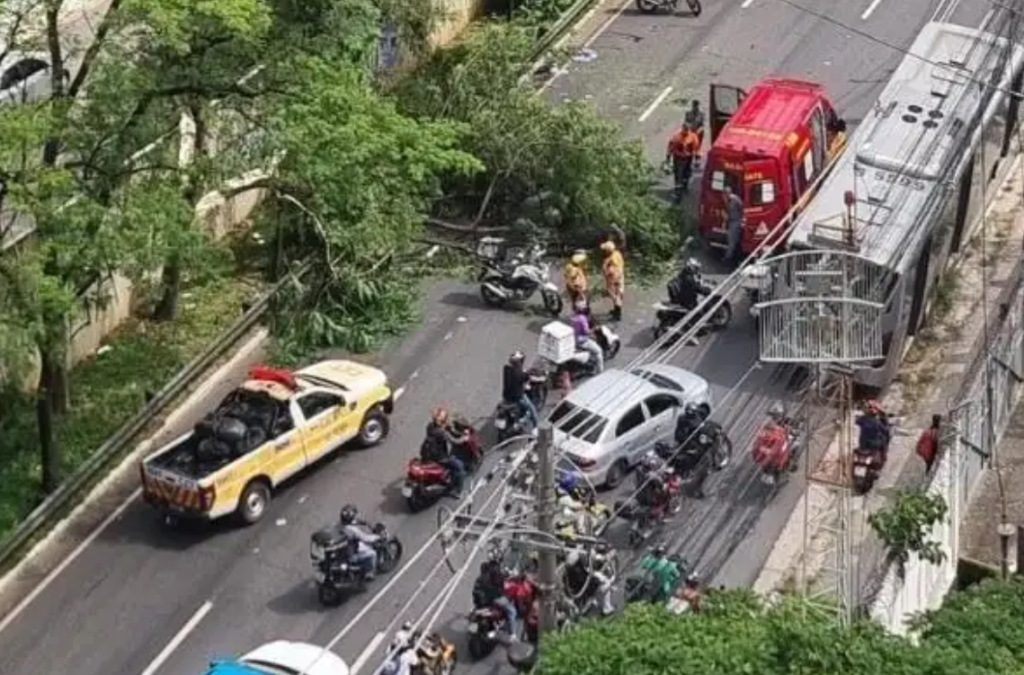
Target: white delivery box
{"x": 557, "y": 342}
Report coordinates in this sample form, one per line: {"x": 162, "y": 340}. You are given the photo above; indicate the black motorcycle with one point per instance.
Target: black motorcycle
{"x": 653, "y": 6}
{"x": 708, "y": 451}
{"x": 668, "y": 316}
{"x": 510, "y": 420}
{"x": 334, "y": 568}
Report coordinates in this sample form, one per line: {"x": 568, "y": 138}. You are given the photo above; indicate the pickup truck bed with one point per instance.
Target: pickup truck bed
{"x": 182, "y": 460}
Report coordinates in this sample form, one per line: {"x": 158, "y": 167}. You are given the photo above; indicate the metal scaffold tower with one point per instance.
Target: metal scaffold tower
{"x": 823, "y": 310}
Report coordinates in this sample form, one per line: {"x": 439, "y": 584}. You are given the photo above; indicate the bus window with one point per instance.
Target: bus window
{"x": 719, "y": 179}
{"x": 761, "y": 193}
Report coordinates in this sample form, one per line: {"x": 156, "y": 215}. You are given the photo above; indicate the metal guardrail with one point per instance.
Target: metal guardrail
{"x": 121, "y": 441}
{"x": 117, "y": 444}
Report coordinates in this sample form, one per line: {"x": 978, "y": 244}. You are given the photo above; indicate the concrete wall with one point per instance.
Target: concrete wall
{"x": 458, "y": 15}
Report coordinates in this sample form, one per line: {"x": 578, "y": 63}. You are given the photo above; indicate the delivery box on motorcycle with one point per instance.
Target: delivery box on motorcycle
{"x": 329, "y": 544}
{"x": 557, "y": 343}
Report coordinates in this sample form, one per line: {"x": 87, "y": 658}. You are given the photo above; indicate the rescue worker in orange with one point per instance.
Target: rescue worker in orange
{"x": 683, "y": 149}
{"x": 614, "y": 269}
{"x": 575, "y": 279}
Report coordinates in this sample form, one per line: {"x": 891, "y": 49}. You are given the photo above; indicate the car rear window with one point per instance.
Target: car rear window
{"x": 578, "y": 422}
{"x": 659, "y": 381}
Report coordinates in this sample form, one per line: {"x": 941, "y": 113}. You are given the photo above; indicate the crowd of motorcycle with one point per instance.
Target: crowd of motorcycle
{"x": 506, "y": 598}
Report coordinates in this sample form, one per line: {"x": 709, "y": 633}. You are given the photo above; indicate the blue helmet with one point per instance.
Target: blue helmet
{"x": 568, "y": 482}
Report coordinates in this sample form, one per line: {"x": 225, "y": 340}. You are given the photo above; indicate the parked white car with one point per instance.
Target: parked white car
{"x": 611, "y": 421}
{"x": 283, "y": 657}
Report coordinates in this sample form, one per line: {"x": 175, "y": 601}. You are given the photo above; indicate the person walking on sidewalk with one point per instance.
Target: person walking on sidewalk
{"x": 614, "y": 268}
{"x": 928, "y": 444}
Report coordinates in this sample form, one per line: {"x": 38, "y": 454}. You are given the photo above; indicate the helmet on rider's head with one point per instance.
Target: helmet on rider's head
{"x": 439, "y": 416}
{"x": 777, "y": 412}
{"x": 652, "y": 462}
{"x": 608, "y": 246}
{"x": 663, "y": 449}
{"x": 691, "y": 410}
{"x": 567, "y": 483}
{"x": 691, "y": 266}
{"x": 693, "y": 580}
{"x": 660, "y": 551}
{"x": 517, "y": 357}
{"x": 578, "y": 258}
{"x": 348, "y": 514}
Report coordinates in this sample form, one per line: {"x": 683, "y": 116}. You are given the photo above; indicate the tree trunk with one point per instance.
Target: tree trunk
{"x": 61, "y": 387}
{"x": 50, "y": 457}
{"x": 167, "y": 308}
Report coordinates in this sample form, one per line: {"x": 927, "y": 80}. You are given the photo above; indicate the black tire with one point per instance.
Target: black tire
{"x": 552, "y": 302}
{"x": 659, "y": 330}
{"x": 490, "y": 298}
{"x": 722, "y": 316}
{"x": 328, "y": 595}
{"x": 646, "y": 6}
{"x": 480, "y": 647}
{"x": 253, "y": 502}
{"x": 415, "y": 502}
{"x": 695, "y": 7}
{"x": 375, "y": 427}
{"x": 724, "y": 452}
{"x": 613, "y": 350}
{"x": 616, "y": 474}
{"x": 386, "y": 564}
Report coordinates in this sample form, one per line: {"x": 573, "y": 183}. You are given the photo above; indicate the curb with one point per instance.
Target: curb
{"x": 34, "y": 570}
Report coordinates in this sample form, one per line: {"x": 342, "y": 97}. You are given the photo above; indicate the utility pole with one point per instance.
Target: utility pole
{"x": 548, "y": 558}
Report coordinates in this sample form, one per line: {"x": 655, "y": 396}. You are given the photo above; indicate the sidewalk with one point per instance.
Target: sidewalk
{"x": 931, "y": 377}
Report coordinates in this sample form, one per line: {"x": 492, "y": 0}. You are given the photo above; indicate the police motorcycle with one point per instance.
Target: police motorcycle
{"x": 335, "y": 568}
{"x": 715, "y": 311}
{"x": 653, "y": 6}
{"x": 510, "y": 419}
{"x": 507, "y": 276}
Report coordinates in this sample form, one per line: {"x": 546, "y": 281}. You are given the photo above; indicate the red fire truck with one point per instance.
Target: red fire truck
{"x": 769, "y": 146}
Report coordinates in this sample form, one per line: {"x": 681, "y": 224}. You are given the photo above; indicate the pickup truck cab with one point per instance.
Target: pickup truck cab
{"x": 267, "y": 430}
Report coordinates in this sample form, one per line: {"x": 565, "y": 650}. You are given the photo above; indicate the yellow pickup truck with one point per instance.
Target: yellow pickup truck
{"x": 264, "y": 432}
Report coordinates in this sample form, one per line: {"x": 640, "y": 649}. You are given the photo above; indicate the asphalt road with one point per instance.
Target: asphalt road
{"x": 136, "y": 587}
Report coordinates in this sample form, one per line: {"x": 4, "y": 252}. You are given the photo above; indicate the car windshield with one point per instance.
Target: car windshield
{"x": 578, "y": 422}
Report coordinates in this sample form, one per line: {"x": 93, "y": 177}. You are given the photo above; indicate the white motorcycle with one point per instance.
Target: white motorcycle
{"x": 517, "y": 279}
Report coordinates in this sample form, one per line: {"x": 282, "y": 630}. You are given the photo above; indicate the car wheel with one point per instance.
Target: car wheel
{"x": 252, "y": 505}
{"x": 616, "y": 473}
{"x": 375, "y": 427}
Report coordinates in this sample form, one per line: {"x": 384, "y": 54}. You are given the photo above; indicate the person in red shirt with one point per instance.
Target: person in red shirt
{"x": 683, "y": 149}
{"x": 928, "y": 444}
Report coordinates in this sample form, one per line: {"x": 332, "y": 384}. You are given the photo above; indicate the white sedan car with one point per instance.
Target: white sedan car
{"x": 611, "y": 421}
{"x": 283, "y": 658}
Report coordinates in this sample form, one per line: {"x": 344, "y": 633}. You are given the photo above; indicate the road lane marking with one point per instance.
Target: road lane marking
{"x": 590, "y": 40}
{"x": 746, "y": 4}
{"x": 178, "y": 638}
{"x": 367, "y": 653}
{"x": 870, "y": 10}
{"x": 56, "y": 571}
{"x": 398, "y": 393}
{"x": 658, "y": 100}
{"x": 985, "y": 19}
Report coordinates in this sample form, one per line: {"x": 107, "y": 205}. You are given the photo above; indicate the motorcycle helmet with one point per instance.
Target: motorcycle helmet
{"x": 777, "y": 412}
{"x": 691, "y": 266}
{"x": 517, "y": 357}
{"x": 578, "y": 258}
{"x": 573, "y": 558}
{"x": 663, "y": 449}
{"x": 348, "y": 515}
{"x": 660, "y": 551}
{"x": 693, "y": 580}
{"x": 652, "y": 462}
{"x": 567, "y": 483}
{"x": 691, "y": 410}
{"x": 608, "y": 246}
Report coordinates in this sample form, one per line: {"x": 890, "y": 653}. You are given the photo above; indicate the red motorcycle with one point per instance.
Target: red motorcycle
{"x": 426, "y": 482}
{"x": 775, "y": 450}
{"x": 486, "y": 622}
{"x": 643, "y": 519}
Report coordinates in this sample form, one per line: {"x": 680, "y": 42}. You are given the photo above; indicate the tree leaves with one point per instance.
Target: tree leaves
{"x": 976, "y": 632}
{"x": 905, "y": 526}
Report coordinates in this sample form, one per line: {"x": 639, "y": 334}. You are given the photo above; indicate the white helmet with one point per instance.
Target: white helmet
{"x": 692, "y": 265}
{"x": 573, "y": 558}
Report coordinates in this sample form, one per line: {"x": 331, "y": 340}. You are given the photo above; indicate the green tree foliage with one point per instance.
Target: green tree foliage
{"x": 976, "y": 632}
{"x": 905, "y": 526}
{"x": 560, "y": 172}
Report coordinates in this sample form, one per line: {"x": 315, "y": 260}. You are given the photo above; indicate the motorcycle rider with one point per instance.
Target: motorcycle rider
{"x": 689, "y": 423}
{"x": 365, "y": 555}
{"x": 575, "y": 278}
{"x": 489, "y": 591}
{"x": 581, "y": 571}
{"x": 584, "y": 340}
{"x": 437, "y": 448}
{"x": 572, "y": 510}
{"x": 686, "y": 290}
{"x": 514, "y": 384}
{"x": 690, "y": 593}
{"x": 665, "y": 572}
{"x": 404, "y": 654}
{"x": 875, "y": 431}
{"x": 652, "y": 493}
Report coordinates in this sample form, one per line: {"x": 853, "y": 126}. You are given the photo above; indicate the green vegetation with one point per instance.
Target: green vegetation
{"x": 106, "y": 390}
{"x": 905, "y": 527}
{"x": 355, "y": 168}
{"x": 979, "y": 631}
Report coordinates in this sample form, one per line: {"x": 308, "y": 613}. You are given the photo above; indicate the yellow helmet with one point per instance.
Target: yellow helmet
{"x": 578, "y": 258}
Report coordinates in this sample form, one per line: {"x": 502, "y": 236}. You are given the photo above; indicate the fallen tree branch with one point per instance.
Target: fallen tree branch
{"x": 465, "y": 229}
